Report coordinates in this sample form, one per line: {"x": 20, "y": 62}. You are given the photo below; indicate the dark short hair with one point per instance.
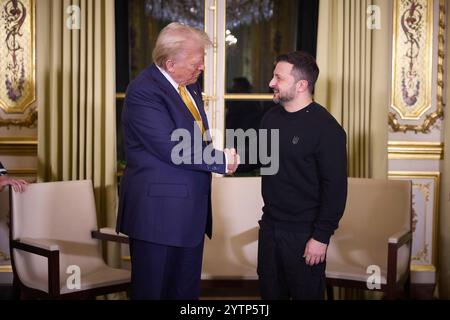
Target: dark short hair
{"x": 304, "y": 67}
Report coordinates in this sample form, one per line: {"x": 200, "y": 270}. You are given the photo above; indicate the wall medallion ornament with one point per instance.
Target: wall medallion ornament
{"x": 413, "y": 105}
{"x": 17, "y": 58}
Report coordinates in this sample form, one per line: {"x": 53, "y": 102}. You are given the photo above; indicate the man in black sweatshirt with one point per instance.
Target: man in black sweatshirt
{"x": 305, "y": 199}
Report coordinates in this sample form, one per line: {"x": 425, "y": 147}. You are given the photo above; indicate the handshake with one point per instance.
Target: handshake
{"x": 233, "y": 160}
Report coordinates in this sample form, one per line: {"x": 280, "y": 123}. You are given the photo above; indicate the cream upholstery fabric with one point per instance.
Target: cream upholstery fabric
{"x": 60, "y": 215}
{"x": 376, "y": 211}
{"x": 232, "y": 251}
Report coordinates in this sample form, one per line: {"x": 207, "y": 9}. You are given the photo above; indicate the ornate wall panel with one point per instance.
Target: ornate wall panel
{"x": 425, "y": 191}
{"x": 17, "y": 63}
{"x": 414, "y": 107}
{"x": 415, "y": 146}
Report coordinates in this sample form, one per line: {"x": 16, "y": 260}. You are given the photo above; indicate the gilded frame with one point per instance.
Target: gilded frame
{"x": 415, "y": 150}
{"x": 435, "y": 178}
{"x": 17, "y": 30}
{"x": 430, "y": 118}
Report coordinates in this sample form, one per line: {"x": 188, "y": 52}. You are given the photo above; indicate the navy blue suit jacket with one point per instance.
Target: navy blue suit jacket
{"x": 162, "y": 202}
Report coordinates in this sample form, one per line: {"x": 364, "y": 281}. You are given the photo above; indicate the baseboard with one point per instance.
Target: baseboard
{"x": 229, "y": 288}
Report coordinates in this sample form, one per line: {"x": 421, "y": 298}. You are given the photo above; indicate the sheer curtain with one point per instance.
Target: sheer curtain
{"x": 76, "y": 99}
{"x": 354, "y": 62}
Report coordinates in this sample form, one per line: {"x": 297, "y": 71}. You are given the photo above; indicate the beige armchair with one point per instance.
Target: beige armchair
{"x": 375, "y": 233}
{"x": 54, "y": 250}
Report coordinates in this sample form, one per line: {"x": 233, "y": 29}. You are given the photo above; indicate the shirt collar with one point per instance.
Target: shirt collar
{"x": 168, "y": 77}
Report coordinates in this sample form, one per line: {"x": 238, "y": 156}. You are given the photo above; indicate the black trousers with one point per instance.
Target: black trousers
{"x": 165, "y": 272}
{"x": 282, "y": 270}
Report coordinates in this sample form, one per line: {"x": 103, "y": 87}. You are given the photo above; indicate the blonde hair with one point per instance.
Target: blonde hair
{"x": 172, "y": 38}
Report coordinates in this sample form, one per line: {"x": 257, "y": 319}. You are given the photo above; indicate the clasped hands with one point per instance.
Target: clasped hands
{"x": 233, "y": 160}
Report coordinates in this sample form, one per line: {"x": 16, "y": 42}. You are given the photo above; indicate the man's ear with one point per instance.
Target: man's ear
{"x": 302, "y": 85}
{"x": 170, "y": 65}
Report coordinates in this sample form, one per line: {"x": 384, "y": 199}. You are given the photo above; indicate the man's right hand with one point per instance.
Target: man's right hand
{"x": 233, "y": 160}
{"x": 18, "y": 185}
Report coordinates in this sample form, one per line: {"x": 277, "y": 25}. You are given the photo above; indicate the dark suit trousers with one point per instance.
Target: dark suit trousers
{"x": 165, "y": 272}
{"x": 283, "y": 272}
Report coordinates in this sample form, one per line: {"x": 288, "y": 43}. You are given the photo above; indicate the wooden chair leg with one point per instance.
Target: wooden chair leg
{"x": 15, "y": 289}
{"x": 391, "y": 293}
{"x": 330, "y": 293}
{"x": 407, "y": 288}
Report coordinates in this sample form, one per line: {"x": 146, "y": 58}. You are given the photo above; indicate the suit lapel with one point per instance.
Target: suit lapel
{"x": 170, "y": 91}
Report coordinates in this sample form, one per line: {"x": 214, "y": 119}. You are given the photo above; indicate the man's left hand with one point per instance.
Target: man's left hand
{"x": 315, "y": 252}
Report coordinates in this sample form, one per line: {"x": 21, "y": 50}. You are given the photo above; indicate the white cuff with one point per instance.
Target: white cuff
{"x": 226, "y": 163}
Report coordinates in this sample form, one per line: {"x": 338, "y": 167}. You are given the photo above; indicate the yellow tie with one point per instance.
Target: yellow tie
{"x": 190, "y": 105}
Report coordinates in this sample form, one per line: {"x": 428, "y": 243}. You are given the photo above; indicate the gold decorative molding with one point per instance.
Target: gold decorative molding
{"x": 206, "y": 99}
{"x": 6, "y": 268}
{"x": 422, "y": 254}
{"x": 415, "y": 150}
{"x": 18, "y": 146}
{"x": 246, "y": 96}
{"x": 120, "y": 95}
{"x": 215, "y": 9}
{"x": 29, "y": 121}
{"x": 22, "y": 173}
{"x": 422, "y": 268}
{"x": 441, "y": 59}
{"x": 436, "y": 176}
{"x": 430, "y": 119}
{"x": 3, "y": 256}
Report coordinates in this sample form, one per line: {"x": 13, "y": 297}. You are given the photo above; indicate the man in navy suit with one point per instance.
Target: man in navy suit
{"x": 165, "y": 203}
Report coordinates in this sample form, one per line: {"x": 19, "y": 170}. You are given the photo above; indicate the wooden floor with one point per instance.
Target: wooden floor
{"x": 246, "y": 290}
{"x": 229, "y": 290}
{"x": 5, "y": 292}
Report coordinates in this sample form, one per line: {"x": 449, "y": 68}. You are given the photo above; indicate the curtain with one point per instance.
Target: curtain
{"x": 75, "y": 75}
{"x": 354, "y": 61}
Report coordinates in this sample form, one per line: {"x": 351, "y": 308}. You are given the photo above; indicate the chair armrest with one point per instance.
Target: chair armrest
{"x": 37, "y": 246}
{"x": 109, "y": 234}
{"x": 46, "y": 249}
{"x": 41, "y": 243}
{"x": 396, "y": 241}
{"x": 400, "y": 238}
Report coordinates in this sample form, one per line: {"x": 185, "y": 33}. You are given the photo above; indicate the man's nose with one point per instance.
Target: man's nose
{"x": 272, "y": 83}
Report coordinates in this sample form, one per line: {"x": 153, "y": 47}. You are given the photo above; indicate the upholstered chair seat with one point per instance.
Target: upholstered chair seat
{"x": 374, "y": 235}
{"x": 53, "y": 252}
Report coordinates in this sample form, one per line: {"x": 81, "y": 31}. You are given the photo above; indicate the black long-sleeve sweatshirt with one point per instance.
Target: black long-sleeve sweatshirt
{"x": 309, "y": 191}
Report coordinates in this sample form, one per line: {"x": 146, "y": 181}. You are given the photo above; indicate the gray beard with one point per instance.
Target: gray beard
{"x": 282, "y": 100}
